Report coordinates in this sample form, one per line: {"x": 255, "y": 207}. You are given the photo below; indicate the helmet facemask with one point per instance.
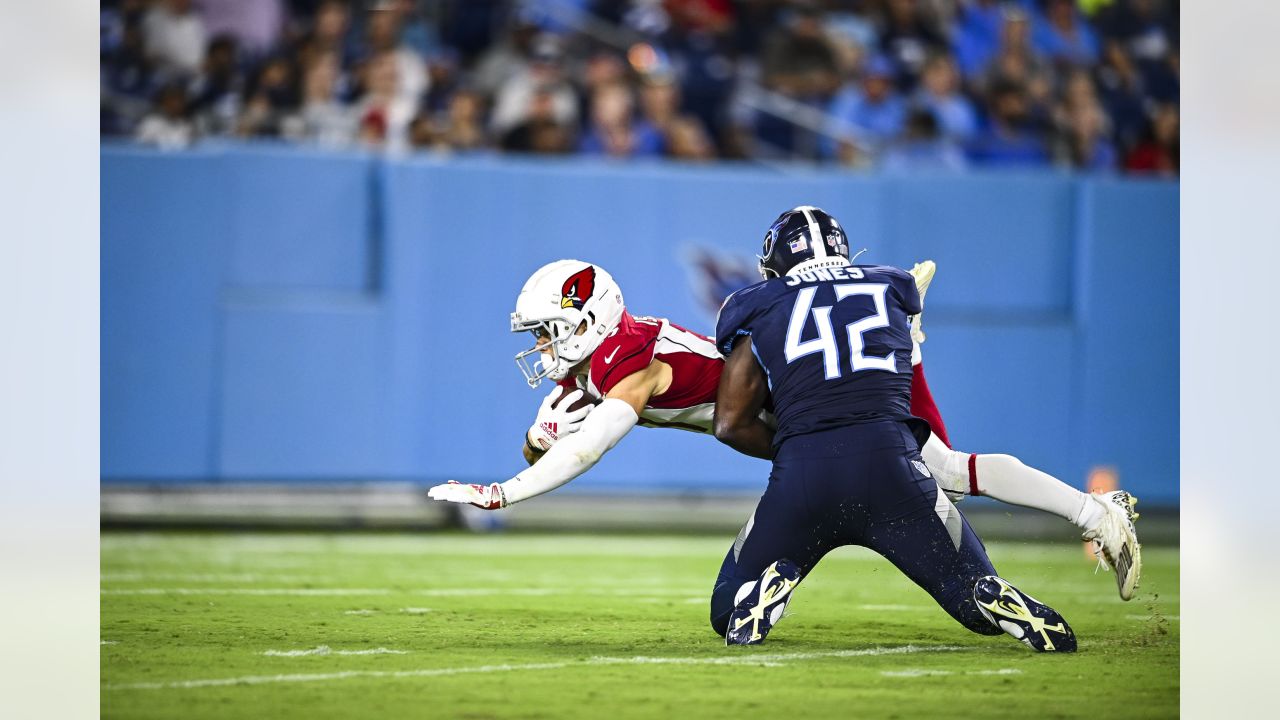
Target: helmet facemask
{"x": 549, "y": 338}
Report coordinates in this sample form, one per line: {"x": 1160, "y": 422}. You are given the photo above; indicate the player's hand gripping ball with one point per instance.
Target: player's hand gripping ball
{"x": 561, "y": 413}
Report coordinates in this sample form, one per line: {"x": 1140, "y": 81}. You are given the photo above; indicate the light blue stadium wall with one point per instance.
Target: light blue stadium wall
{"x": 277, "y": 314}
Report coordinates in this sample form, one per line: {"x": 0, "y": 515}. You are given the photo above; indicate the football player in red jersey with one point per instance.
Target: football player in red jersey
{"x": 651, "y": 372}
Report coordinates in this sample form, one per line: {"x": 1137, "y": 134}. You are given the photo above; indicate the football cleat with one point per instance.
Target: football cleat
{"x": 1037, "y": 625}
{"x": 1115, "y": 540}
{"x": 923, "y": 274}
{"x": 760, "y": 604}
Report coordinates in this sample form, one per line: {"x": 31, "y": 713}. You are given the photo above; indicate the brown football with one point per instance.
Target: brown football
{"x": 582, "y": 402}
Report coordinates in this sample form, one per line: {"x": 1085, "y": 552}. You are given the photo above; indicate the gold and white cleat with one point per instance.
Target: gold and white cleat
{"x": 1115, "y": 540}
{"x": 923, "y": 274}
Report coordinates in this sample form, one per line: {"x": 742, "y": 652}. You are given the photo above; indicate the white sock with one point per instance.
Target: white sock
{"x": 1007, "y": 479}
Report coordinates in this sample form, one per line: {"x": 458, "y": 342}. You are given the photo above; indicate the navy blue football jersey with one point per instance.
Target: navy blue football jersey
{"x": 834, "y": 343}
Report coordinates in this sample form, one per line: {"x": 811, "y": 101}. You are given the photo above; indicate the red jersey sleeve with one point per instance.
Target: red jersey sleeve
{"x": 624, "y": 353}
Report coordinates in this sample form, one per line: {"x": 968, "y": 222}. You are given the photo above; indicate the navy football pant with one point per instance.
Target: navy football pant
{"x": 857, "y": 485}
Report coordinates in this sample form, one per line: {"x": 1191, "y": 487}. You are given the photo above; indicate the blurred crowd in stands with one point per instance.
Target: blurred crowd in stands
{"x": 900, "y": 84}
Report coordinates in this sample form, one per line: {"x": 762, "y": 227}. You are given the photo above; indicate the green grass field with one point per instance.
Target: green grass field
{"x": 592, "y": 626}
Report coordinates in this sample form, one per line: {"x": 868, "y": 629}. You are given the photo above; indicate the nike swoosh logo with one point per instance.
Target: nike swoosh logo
{"x": 609, "y": 358}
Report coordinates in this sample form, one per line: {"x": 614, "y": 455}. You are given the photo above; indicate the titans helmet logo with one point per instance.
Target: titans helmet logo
{"x": 578, "y": 288}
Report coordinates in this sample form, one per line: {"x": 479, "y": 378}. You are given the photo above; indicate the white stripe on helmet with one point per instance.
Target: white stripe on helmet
{"x": 819, "y": 247}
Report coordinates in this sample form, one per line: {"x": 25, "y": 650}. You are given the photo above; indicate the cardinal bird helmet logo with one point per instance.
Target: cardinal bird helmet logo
{"x": 578, "y": 288}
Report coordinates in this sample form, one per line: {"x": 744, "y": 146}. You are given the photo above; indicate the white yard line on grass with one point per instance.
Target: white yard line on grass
{"x": 914, "y": 673}
{"x": 206, "y": 577}
{"x": 247, "y": 591}
{"x": 427, "y": 592}
{"x": 415, "y": 611}
{"x": 326, "y": 650}
{"x": 769, "y": 660}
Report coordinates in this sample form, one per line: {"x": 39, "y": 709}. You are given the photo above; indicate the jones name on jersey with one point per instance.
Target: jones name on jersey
{"x": 842, "y": 352}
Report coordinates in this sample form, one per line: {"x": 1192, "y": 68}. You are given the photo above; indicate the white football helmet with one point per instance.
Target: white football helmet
{"x": 555, "y": 301}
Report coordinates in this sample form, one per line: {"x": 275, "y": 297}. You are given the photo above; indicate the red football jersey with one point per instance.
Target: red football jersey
{"x": 689, "y": 403}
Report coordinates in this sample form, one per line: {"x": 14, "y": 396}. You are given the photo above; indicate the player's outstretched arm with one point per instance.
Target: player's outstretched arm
{"x": 739, "y": 400}
{"x": 572, "y": 455}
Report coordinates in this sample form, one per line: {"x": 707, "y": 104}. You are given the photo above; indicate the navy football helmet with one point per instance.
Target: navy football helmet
{"x": 803, "y": 236}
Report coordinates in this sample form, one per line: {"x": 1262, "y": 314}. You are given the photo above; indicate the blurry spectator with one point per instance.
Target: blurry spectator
{"x": 798, "y": 59}
{"x": 923, "y": 147}
{"x": 1146, "y": 28}
{"x": 687, "y": 140}
{"x": 459, "y": 128}
{"x": 383, "y": 112}
{"x": 255, "y": 24}
{"x": 1160, "y": 78}
{"x": 1083, "y": 127}
{"x": 329, "y": 31}
{"x": 167, "y": 126}
{"x": 1017, "y": 63}
{"x": 418, "y": 28}
{"x": 614, "y": 131}
{"x": 442, "y": 80}
{"x": 216, "y": 91}
{"x": 1121, "y": 93}
{"x": 469, "y": 26}
{"x": 660, "y": 103}
{"x": 322, "y": 119}
{"x": 1063, "y": 36}
{"x": 1013, "y": 137}
{"x": 875, "y": 108}
{"x": 272, "y": 96}
{"x": 507, "y": 59}
{"x": 709, "y": 16}
{"x": 128, "y": 81}
{"x": 545, "y": 74}
{"x": 850, "y": 23}
{"x": 977, "y": 34}
{"x": 1157, "y": 153}
{"x": 908, "y": 40}
{"x": 801, "y": 63}
{"x": 383, "y": 36}
{"x": 939, "y": 93}
{"x": 706, "y": 74}
{"x": 428, "y": 133}
{"x": 601, "y": 69}
{"x": 541, "y": 132}
{"x": 174, "y": 36}
{"x": 466, "y": 121}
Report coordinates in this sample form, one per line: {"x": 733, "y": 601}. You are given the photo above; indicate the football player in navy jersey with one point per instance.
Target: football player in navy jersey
{"x": 831, "y": 344}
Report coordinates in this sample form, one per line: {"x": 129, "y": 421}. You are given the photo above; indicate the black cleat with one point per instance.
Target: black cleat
{"x": 1022, "y": 616}
{"x": 760, "y": 604}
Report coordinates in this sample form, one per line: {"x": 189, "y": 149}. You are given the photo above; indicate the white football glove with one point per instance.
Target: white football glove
{"x": 486, "y": 497}
{"x": 554, "y": 423}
